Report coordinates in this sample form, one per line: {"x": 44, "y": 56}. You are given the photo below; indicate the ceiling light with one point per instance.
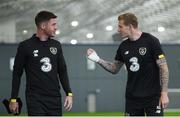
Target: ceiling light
{"x": 74, "y": 23}
{"x": 24, "y": 32}
{"x": 109, "y": 28}
{"x": 74, "y": 41}
{"x": 161, "y": 29}
{"x": 57, "y": 32}
{"x": 90, "y": 35}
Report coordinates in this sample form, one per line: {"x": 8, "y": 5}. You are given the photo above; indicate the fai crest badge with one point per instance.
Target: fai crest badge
{"x": 142, "y": 51}
{"x": 53, "y": 50}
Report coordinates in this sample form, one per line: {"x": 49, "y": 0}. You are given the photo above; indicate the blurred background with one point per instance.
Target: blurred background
{"x": 84, "y": 24}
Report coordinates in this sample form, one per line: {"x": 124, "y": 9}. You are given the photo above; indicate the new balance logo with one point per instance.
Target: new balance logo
{"x": 35, "y": 52}
{"x": 126, "y": 52}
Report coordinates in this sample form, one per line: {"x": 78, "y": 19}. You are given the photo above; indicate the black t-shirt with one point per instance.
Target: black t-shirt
{"x": 44, "y": 65}
{"x": 140, "y": 59}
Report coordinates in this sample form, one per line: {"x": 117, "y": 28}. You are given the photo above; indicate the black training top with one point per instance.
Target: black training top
{"x": 140, "y": 59}
{"x": 44, "y": 65}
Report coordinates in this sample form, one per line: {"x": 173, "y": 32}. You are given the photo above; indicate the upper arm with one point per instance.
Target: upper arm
{"x": 161, "y": 60}
{"x": 61, "y": 61}
{"x": 163, "y": 68}
{"x": 158, "y": 54}
{"x": 162, "y": 64}
{"x": 20, "y": 58}
{"x": 157, "y": 51}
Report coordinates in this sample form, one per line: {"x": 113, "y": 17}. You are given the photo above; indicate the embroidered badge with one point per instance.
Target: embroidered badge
{"x": 142, "y": 51}
{"x": 53, "y": 50}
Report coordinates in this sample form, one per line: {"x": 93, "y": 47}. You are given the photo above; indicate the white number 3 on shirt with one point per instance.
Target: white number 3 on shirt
{"x": 135, "y": 65}
{"x": 46, "y": 67}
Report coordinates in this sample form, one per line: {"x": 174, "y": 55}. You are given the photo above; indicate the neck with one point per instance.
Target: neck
{"x": 135, "y": 35}
{"x": 42, "y": 36}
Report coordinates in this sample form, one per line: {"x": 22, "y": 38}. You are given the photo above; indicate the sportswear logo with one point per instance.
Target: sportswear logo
{"x": 127, "y": 114}
{"x": 126, "y": 52}
{"x": 158, "y": 109}
{"x": 35, "y": 52}
{"x": 142, "y": 51}
{"x": 53, "y": 50}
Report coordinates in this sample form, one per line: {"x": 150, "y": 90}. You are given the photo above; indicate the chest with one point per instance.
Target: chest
{"x": 136, "y": 52}
{"x": 42, "y": 53}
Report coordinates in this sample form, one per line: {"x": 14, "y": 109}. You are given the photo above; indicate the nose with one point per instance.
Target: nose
{"x": 119, "y": 30}
{"x": 55, "y": 27}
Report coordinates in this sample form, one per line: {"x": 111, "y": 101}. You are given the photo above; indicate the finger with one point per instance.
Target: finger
{"x": 13, "y": 110}
{"x": 90, "y": 51}
{"x": 65, "y": 103}
{"x": 164, "y": 105}
{"x": 160, "y": 103}
{"x": 17, "y": 109}
{"x": 69, "y": 106}
{"x": 11, "y": 107}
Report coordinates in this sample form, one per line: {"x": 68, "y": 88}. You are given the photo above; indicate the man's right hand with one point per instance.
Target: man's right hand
{"x": 14, "y": 107}
{"x": 92, "y": 55}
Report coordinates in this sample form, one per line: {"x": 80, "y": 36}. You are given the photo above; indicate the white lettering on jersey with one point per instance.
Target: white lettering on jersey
{"x": 135, "y": 65}
{"x": 46, "y": 67}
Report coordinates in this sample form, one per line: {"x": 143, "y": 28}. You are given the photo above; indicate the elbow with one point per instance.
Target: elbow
{"x": 114, "y": 72}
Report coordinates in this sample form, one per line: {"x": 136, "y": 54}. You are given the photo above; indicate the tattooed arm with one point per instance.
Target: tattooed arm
{"x": 111, "y": 67}
{"x": 164, "y": 78}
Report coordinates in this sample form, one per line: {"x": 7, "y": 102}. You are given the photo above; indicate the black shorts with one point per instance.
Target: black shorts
{"x": 143, "y": 106}
{"x": 40, "y": 105}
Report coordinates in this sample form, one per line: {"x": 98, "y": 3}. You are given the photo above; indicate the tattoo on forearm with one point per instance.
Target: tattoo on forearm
{"x": 164, "y": 73}
{"x": 111, "y": 67}
{"x": 161, "y": 61}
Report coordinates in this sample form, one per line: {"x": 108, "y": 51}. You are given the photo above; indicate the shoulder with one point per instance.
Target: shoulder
{"x": 150, "y": 38}
{"x": 29, "y": 40}
{"x": 123, "y": 43}
{"x": 25, "y": 42}
{"x": 55, "y": 42}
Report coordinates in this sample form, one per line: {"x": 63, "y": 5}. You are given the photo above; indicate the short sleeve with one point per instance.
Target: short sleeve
{"x": 157, "y": 49}
{"x": 119, "y": 56}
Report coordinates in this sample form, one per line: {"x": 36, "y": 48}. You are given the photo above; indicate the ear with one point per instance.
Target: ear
{"x": 131, "y": 26}
{"x": 42, "y": 26}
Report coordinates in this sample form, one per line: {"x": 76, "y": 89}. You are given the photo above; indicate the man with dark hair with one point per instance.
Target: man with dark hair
{"x": 146, "y": 89}
{"x": 45, "y": 68}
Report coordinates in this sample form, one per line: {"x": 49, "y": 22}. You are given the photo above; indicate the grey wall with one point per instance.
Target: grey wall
{"x": 84, "y": 81}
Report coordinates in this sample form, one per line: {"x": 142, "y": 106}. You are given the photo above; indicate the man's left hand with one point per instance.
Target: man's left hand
{"x": 164, "y": 100}
{"x": 68, "y": 103}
